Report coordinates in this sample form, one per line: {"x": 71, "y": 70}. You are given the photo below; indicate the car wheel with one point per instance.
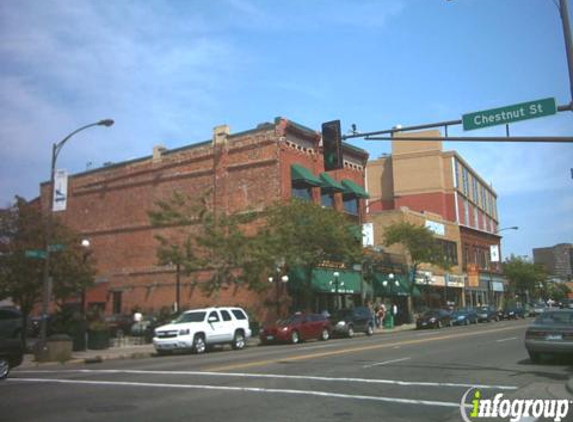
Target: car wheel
{"x": 238, "y": 340}
{"x": 4, "y": 368}
{"x": 295, "y": 337}
{"x": 369, "y": 330}
{"x": 534, "y": 356}
{"x": 324, "y": 335}
{"x": 199, "y": 345}
{"x": 350, "y": 332}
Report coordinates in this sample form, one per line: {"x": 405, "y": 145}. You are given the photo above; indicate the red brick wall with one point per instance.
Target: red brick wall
{"x": 110, "y": 207}
{"x": 435, "y": 202}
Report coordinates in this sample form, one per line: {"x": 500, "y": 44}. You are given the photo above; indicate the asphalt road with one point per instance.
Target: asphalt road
{"x": 407, "y": 376}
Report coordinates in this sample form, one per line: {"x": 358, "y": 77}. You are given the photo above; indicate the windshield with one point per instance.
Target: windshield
{"x": 555, "y": 318}
{"x": 190, "y": 317}
{"x": 290, "y": 320}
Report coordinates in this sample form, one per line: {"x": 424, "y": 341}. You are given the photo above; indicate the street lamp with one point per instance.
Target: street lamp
{"x": 86, "y": 245}
{"x": 284, "y": 280}
{"x": 387, "y": 283}
{"x": 337, "y": 283}
{"x": 56, "y": 148}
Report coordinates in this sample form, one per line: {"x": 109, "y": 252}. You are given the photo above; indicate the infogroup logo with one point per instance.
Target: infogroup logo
{"x": 515, "y": 409}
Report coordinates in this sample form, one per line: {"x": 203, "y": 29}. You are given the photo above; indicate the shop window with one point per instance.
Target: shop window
{"x": 301, "y": 191}
{"x": 327, "y": 198}
{"x": 116, "y": 302}
{"x": 350, "y": 204}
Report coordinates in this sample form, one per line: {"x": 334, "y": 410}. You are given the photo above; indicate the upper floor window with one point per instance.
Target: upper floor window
{"x": 465, "y": 181}
{"x": 350, "y": 204}
{"x": 302, "y": 182}
{"x": 327, "y": 198}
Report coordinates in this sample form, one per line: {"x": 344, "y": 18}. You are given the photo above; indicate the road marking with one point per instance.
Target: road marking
{"x": 386, "y": 362}
{"x": 272, "y": 376}
{"x": 241, "y": 389}
{"x": 506, "y": 339}
{"x": 358, "y": 349}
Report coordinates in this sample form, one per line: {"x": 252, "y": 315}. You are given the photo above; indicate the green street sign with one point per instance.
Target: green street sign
{"x": 509, "y": 114}
{"x": 35, "y": 253}
{"x": 56, "y": 247}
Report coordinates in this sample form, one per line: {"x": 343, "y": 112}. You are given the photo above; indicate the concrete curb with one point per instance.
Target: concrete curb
{"x": 104, "y": 355}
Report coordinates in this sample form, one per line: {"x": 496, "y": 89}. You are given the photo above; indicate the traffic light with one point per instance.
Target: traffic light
{"x": 332, "y": 145}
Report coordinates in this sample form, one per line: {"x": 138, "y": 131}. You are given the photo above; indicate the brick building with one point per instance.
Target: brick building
{"x": 252, "y": 169}
{"x": 419, "y": 176}
{"x": 557, "y": 260}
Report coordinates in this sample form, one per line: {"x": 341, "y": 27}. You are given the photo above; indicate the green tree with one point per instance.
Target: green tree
{"x": 419, "y": 244}
{"x": 524, "y": 276}
{"x": 303, "y": 235}
{"x": 196, "y": 239}
{"x": 21, "y": 230}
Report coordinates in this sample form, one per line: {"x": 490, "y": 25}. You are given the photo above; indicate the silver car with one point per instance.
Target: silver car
{"x": 550, "y": 333}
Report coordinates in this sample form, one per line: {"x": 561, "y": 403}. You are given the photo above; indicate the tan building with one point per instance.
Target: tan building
{"x": 421, "y": 176}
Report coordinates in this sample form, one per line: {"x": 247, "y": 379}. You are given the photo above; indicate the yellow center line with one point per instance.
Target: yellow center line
{"x": 355, "y": 349}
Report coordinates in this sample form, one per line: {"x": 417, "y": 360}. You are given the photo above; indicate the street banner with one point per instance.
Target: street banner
{"x": 494, "y": 253}
{"x": 60, "y": 199}
{"x": 367, "y": 234}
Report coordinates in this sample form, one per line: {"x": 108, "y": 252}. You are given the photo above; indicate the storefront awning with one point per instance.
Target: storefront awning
{"x": 301, "y": 174}
{"x": 396, "y": 286}
{"x": 323, "y": 280}
{"x": 352, "y": 188}
{"x": 328, "y": 183}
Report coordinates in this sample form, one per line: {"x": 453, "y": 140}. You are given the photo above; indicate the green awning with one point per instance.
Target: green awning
{"x": 323, "y": 280}
{"x": 397, "y": 286}
{"x": 300, "y": 174}
{"x": 353, "y": 188}
{"x": 329, "y": 183}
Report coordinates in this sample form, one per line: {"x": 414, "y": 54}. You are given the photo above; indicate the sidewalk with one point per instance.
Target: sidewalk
{"x": 145, "y": 351}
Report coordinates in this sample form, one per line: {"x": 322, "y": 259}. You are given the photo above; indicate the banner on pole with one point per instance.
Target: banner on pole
{"x": 60, "y": 199}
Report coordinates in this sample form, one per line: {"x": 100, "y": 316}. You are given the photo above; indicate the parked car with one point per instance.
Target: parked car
{"x": 487, "y": 314}
{"x": 297, "y": 328}
{"x": 513, "y": 312}
{"x": 537, "y": 309}
{"x": 10, "y": 323}
{"x": 199, "y": 329}
{"x": 552, "y": 333}
{"x": 346, "y": 322}
{"x": 464, "y": 317}
{"x": 566, "y": 303}
{"x": 434, "y": 318}
{"x": 11, "y": 355}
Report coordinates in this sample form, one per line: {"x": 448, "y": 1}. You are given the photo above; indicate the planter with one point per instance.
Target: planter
{"x": 58, "y": 348}
{"x": 98, "y": 339}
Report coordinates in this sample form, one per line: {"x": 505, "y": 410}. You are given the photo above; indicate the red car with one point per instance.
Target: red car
{"x": 297, "y": 328}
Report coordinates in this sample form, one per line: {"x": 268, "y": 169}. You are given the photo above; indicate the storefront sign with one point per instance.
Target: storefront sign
{"x": 473, "y": 275}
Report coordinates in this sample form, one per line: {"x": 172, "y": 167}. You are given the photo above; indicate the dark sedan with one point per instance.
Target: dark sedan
{"x": 487, "y": 314}
{"x": 11, "y": 355}
{"x": 434, "y": 318}
{"x": 346, "y": 322}
{"x": 297, "y": 328}
{"x": 550, "y": 333}
{"x": 464, "y": 317}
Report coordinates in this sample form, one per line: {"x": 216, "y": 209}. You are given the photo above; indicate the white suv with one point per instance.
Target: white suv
{"x": 197, "y": 329}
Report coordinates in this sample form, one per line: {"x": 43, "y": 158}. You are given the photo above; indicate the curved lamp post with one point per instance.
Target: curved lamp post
{"x": 337, "y": 283}
{"x": 56, "y": 148}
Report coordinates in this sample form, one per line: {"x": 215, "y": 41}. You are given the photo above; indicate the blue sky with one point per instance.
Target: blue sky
{"x": 169, "y": 71}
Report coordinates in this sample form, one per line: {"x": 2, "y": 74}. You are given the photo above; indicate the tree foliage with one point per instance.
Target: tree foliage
{"x": 523, "y": 276}
{"x": 197, "y": 239}
{"x": 245, "y": 248}
{"x": 21, "y": 278}
{"x": 419, "y": 243}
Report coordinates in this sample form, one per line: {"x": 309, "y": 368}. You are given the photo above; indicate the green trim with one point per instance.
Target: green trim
{"x": 329, "y": 183}
{"x": 403, "y": 288}
{"x": 323, "y": 281}
{"x": 354, "y": 189}
{"x": 299, "y": 173}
